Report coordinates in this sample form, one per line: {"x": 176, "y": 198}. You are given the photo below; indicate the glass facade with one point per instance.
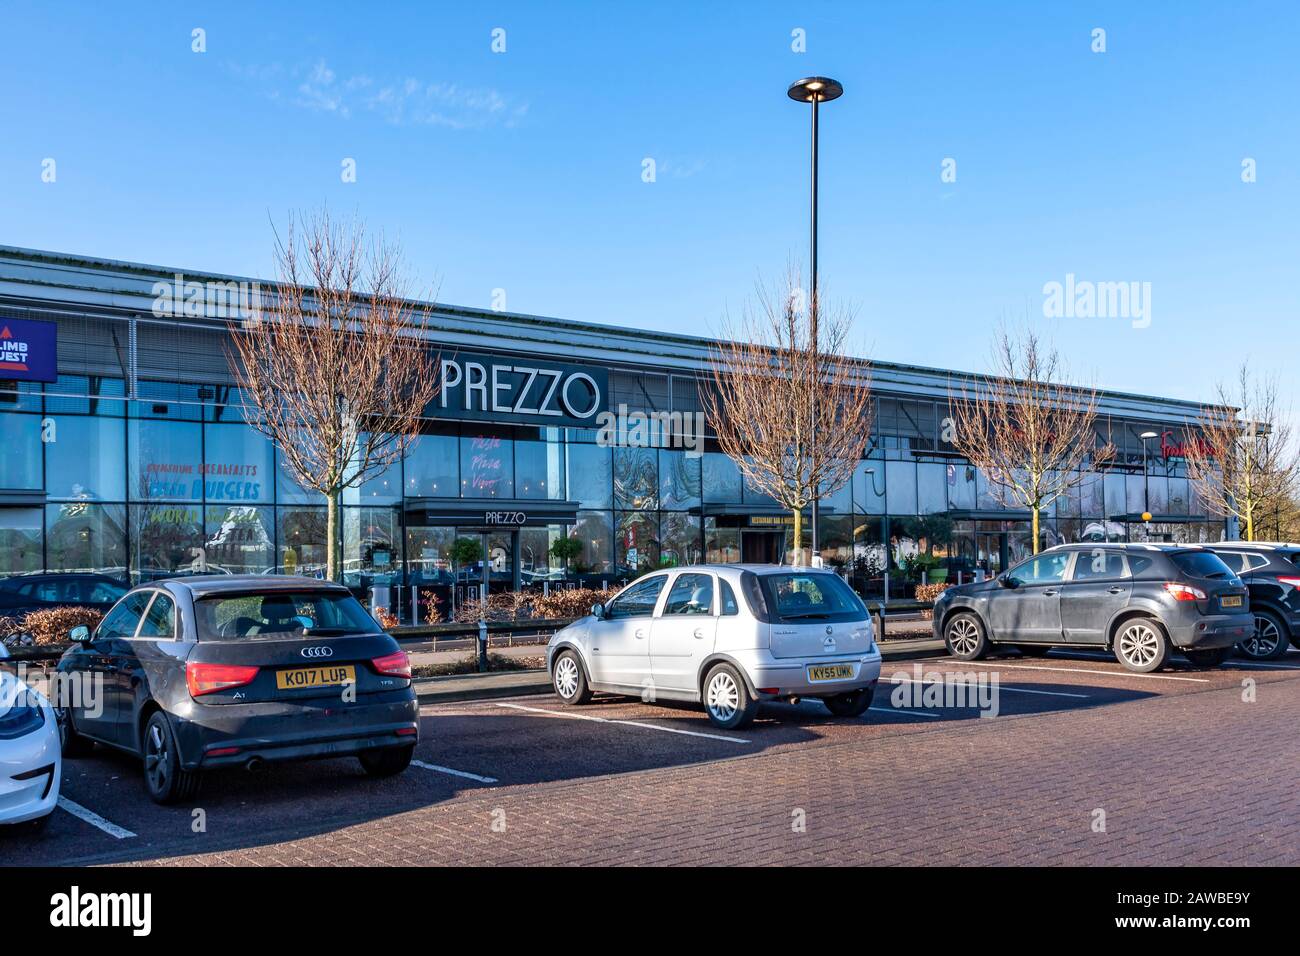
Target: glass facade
{"x": 173, "y": 481}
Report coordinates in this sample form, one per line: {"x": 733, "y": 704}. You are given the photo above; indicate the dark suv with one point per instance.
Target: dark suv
{"x": 1272, "y": 575}
{"x": 1140, "y": 600}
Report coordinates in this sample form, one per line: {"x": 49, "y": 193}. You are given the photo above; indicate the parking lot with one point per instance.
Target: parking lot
{"x": 1188, "y": 765}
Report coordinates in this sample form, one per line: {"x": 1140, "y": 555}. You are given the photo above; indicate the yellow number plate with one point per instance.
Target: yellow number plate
{"x": 1233, "y": 601}
{"x": 833, "y": 672}
{"x": 303, "y": 678}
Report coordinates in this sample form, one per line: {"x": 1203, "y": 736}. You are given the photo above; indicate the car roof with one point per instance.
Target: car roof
{"x": 204, "y": 585}
{"x": 1254, "y": 546}
{"x": 759, "y": 569}
{"x": 1164, "y": 546}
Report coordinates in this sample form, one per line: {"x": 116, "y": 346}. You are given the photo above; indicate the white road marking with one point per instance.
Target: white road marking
{"x": 455, "y": 773}
{"x": 625, "y": 723}
{"x": 1281, "y": 667}
{"x": 94, "y": 819}
{"x": 1009, "y": 690}
{"x": 899, "y": 710}
{"x": 1080, "y": 670}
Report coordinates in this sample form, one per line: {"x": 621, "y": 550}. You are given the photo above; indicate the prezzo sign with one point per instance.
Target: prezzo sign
{"x": 519, "y": 391}
{"x": 505, "y": 517}
{"x": 28, "y": 350}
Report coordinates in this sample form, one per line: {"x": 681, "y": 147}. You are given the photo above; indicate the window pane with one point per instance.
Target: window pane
{"x": 486, "y": 466}
{"x": 536, "y": 563}
{"x": 86, "y": 537}
{"x": 125, "y": 617}
{"x": 160, "y": 620}
{"x": 300, "y": 537}
{"x": 431, "y": 467}
{"x": 636, "y": 541}
{"x": 721, "y": 479}
{"x": 679, "y": 479}
{"x": 371, "y": 538}
{"x": 594, "y": 530}
{"x": 721, "y": 545}
{"x": 690, "y": 594}
{"x": 165, "y": 539}
{"x": 679, "y": 538}
{"x": 20, "y": 540}
{"x": 932, "y": 487}
{"x": 636, "y": 478}
{"x": 539, "y": 469}
{"x": 20, "y": 451}
{"x": 239, "y": 538}
{"x": 900, "y": 480}
{"x": 639, "y": 599}
{"x": 238, "y": 466}
{"x": 590, "y": 475}
{"x": 165, "y": 459}
{"x": 85, "y": 460}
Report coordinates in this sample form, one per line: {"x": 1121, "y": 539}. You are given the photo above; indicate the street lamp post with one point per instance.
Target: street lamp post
{"x": 815, "y": 90}
{"x": 1146, "y": 476}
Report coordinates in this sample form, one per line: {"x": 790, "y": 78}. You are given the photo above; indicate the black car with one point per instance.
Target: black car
{"x": 1140, "y": 600}
{"x": 32, "y": 592}
{"x": 200, "y": 673}
{"x": 1272, "y": 575}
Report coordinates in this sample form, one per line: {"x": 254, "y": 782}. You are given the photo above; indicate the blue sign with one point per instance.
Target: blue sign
{"x": 28, "y": 350}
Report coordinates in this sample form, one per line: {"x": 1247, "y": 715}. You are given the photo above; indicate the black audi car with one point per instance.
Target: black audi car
{"x": 1271, "y": 572}
{"x": 1142, "y": 601}
{"x": 201, "y": 673}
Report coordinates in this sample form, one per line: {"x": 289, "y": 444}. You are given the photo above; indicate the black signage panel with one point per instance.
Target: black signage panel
{"x": 519, "y": 391}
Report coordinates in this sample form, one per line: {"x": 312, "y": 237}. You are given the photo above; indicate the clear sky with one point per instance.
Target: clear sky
{"x": 523, "y": 170}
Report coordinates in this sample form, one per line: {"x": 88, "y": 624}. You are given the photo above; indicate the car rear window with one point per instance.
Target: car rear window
{"x": 283, "y": 614}
{"x": 802, "y": 596}
{"x": 1202, "y": 564}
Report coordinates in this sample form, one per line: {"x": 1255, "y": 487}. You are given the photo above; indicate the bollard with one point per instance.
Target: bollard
{"x": 482, "y": 646}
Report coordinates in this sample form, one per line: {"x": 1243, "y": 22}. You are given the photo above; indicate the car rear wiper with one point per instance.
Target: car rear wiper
{"x": 799, "y": 617}
{"x": 329, "y": 631}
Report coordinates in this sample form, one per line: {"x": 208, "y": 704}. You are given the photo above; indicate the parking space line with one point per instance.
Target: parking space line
{"x": 899, "y": 710}
{"x": 1009, "y": 690}
{"x": 95, "y": 820}
{"x": 455, "y": 773}
{"x": 1280, "y": 667}
{"x": 625, "y": 723}
{"x": 1081, "y": 670}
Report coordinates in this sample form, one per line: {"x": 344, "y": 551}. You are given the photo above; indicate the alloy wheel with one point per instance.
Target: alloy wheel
{"x": 723, "y": 697}
{"x": 155, "y": 759}
{"x": 566, "y": 676}
{"x": 1139, "y": 645}
{"x": 1265, "y": 640}
{"x": 963, "y": 635}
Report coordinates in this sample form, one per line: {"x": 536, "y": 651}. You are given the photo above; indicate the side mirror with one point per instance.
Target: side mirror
{"x": 1008, "y": 582}
{"x": 598, "y": 610}
{"x": 79, "y": 634}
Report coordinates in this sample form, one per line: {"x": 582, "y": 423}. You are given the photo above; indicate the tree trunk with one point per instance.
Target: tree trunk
{"x": 333, "y": 539}
{"x": 1250, "y": 522}
{"x": 1035, "y": 529}
{"x": 798, "y": 536}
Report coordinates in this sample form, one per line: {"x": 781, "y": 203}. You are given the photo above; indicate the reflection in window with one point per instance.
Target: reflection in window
{"x": 636, "y": 541}
{"x": 86, "y": 537}
{"x": 721, "y": 481}
{"x": 679, "y": 479}
{"x": 594, "y": 530}
{"x": 84, "y": 461}
{"x": 679, "y": 538}
{"x": 371, "y": 538}
{"x": 590, "y": 475}
{"x": 721, "y": 545}
{"x": 431, "y": 469}
{"x": 239, "y": 538}
{"x": 539, "y": 468}
{"x": 20, "y": 540}
{"x": 535, "y": 561}
{"x": 165, "y": 539}
{"x": 636, "y": 478}
{"x": 165, "y": 461}
{"x": 20, "y": 461}
{"x": 300, "y": 538}
{"x": 238, "y": 465}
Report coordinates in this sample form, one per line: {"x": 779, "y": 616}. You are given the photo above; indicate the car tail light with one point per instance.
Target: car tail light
{"x": 1294, "y": 582}
{"x": 1184, "y": 592}
{"x": 393, "y": 665}
{"x": 208, "y": 678}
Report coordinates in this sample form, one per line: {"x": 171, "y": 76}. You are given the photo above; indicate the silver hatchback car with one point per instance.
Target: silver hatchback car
{"x": 728, "y": 635}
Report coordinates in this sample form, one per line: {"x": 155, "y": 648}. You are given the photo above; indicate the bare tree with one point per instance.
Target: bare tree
{"x": 791, "y": 411}
{"x": 1241, "y": 458}
{"x": 1028, "y": 430}
{"x": 336, "y": 373}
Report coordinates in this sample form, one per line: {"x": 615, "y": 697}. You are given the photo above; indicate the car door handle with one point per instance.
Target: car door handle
{"x": 1114, "y": 590}
{"x": 640, "y": 633}
{"x": 699, "y": 633}
{"x": 1050, "y": 592}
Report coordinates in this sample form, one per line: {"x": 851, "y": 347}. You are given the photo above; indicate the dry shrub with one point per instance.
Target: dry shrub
{"x": 576, "y": 602}
{"x": 929, "y": 592}
{"x": 560, "y": 604}
{"x": 52, "y": 626}
{"x": 502, "y": 606}
{"x": 386, "y": 618}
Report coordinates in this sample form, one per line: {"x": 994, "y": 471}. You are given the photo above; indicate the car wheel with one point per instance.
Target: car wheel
{"x": 852, "y": 704}
{"x": 71, "y": 743}
{"x": 386, "y": 761}
{"x": 163, "y": 776}
{"x": 1269, "y": 642}
{"x": 1033, "y": 650}
{"x": 1141, "y": 645}
{"x": 569, "y": 680}
{"x": 1211, "y": 657}
{"x": 726, "y": 698}
{"x": 965, "y": 637}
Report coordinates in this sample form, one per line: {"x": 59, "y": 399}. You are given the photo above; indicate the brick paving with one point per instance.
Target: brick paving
{"x": 1186, "y": 778}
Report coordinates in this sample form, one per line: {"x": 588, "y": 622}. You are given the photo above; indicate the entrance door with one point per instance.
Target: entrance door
{"x": 761, "y": 547}
{"x": 990, "y": 552}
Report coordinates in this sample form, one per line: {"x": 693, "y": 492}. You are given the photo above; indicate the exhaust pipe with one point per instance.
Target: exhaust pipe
{"x": 255, "y": 765}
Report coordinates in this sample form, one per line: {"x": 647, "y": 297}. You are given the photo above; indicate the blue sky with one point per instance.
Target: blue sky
{"x": 523, "y": 170}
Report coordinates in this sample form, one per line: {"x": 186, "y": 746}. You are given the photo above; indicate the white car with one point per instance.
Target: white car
{"x": 727, "y": 635}
{"x": 31, "y": 764}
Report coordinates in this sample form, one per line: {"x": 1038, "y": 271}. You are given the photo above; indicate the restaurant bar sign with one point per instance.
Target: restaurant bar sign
{"x": 519, "y": 391}
{"x": 28, "y": 350}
